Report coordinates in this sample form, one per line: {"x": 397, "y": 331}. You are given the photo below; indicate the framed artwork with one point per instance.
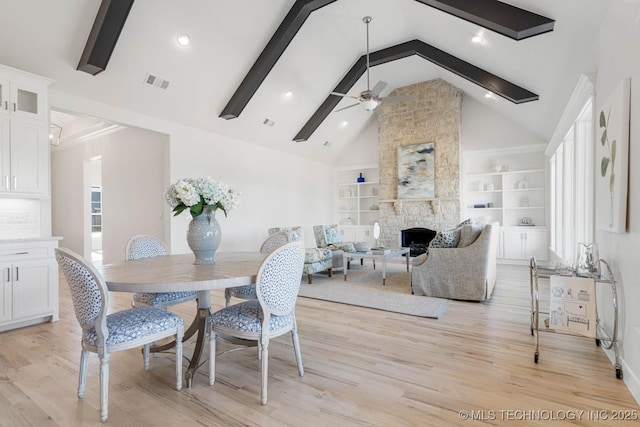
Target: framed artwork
{"x": 612, "y": 159}
{"x": 416, "y": 176}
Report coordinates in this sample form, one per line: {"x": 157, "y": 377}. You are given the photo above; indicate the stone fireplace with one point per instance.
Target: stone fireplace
{"x": 434, "y": 115}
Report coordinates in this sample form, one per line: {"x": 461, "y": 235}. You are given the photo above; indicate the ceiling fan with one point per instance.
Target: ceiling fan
{"x": 369, "y": 99}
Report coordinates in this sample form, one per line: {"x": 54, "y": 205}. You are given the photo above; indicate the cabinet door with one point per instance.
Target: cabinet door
{"x": 5, "y": 95}
{"x": 348, "y": 234}
{"x": 512, "y": 247}
{"x": 27, "y": 100}
{"x": 28, "y": 157}
{"x": 536, "y": 244}
{"x": 364, "y": 234}
{"x": 32, "y": 294}
{"x": 5, "y": 292}
{"x": 5, "y": 155}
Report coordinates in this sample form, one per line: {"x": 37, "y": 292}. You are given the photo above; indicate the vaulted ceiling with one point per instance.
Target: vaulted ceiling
{"x": 227, "y": 38}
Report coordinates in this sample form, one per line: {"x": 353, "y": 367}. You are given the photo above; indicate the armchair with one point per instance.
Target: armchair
{"x": 328, "y": 236}
{"x": 315, "y": 259}
{"x": 462, "y": 273}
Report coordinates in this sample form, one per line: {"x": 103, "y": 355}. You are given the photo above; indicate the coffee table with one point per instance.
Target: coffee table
{"x": 393, "y": 253}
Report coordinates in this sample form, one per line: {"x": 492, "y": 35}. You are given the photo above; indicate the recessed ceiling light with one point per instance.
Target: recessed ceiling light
{"x": 343, "y": 124}
{"x": 184, "y": 39}
{"x": 477, "y": 39}
{"x": 288, "y": 94}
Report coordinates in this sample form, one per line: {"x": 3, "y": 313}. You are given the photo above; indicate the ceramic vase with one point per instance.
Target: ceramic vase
{"x": 204, "y": 236}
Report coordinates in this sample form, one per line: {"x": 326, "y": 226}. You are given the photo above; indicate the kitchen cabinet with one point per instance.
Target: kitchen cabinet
{"x": 29, "y": 280}
{"x": 24, "y": 134}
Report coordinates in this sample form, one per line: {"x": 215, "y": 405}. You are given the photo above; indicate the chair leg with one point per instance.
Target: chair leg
{"x": 296, "y": 348}
{"x": 179, "y": 336}
{"x": 212, "y": 357}
{"x": 265, "y": 371}
{"x": 309, "y": 278}
{"x": 104, "y": 387}
{"x": 329, "y": 272}
{"x": 82, "y": 377}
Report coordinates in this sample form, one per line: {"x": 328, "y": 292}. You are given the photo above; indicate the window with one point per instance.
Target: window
{"x": 96, "y": 209}
{"x": 572, "y": 187}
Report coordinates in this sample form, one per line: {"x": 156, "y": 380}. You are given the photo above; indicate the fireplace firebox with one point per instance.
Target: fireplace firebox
{"x": 417, "y": 239}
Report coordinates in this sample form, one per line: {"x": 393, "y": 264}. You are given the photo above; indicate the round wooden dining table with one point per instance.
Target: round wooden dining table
{"x": 178, "y": 273}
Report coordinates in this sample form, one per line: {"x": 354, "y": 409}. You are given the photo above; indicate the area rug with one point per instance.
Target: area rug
{"x": 364, "y": 288}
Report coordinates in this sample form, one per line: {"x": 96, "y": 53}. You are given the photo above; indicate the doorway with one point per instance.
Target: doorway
{"x": 95, "y": 222}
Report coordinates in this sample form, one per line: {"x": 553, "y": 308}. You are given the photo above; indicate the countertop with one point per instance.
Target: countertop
{"x": 30, "y": 239}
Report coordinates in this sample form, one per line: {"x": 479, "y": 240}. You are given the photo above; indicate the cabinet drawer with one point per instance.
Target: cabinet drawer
{"x": 17, "y": 254}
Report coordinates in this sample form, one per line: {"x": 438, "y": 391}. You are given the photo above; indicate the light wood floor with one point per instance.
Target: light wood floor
{"x": 362, "y": 368}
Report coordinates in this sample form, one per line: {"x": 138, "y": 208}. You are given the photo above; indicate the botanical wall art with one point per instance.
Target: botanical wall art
{"x": 416, "y": 177}
{"x": 612, "y": 160}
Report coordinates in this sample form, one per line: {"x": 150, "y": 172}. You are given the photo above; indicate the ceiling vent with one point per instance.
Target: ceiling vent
{"x": 156, "y": 81}
{"x": 268, "y": 122}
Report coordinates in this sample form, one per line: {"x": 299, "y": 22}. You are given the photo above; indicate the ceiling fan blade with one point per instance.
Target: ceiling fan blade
{"x": 378, "y": 88}
{"x": 344, "y": 95}
{"x": 397, "y": 98}
{"x": 344, "y": 108}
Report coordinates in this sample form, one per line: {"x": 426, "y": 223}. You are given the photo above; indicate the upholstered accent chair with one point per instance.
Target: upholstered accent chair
{"x": 329, "y": 236}
{"x": 464, "y": 272}
{"x": 315, "y": 259}
{"x": 271, "y": 315}
{"x": 147, "y": 246}
{"x": 249, "y": 291}
{"x": 104, "y": 334}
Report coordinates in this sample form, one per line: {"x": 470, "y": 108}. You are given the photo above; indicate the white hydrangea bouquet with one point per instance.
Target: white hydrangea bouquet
{"x": 198, "y": 194}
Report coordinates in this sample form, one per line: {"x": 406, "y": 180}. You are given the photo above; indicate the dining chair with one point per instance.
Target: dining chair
{"x": 249, "y": 291}
{"x": 147, "y": 246}
{"x": 270, "y": 315}
{"x": 105, "y": 334}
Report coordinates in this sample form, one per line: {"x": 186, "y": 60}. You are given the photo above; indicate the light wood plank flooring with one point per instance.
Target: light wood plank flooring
{"x": 363, "y": 368}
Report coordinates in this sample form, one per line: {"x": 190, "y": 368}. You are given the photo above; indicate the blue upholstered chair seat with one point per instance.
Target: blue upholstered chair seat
{"x": 133, "y": 324}
{"x": 162, "y": 298}
{"x": 246, "y": 317}
{"x": 248, "y": 290}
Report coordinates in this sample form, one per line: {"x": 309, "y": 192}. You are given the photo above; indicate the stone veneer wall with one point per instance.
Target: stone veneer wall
{"x": 433, "y": 116}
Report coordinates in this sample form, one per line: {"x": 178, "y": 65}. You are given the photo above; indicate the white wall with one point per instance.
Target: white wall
{"x": 278, "y": 189}
{"x": 133, "y": 173}
{"x": 482, "y": 129}
{"x": 619, "y": 57}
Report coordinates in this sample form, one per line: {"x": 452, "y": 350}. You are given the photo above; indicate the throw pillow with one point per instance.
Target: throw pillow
{"x": 469, "y": 233}
{"x": 446, "y": 239}
{"x": 465, "y": 222}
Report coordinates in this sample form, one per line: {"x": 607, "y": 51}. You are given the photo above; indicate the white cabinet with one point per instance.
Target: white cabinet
{"x": 362, "y": 233}
{"x": 29, "y": 279}
{"x": 24, "y": 141}
{"x": 522, "y": 244}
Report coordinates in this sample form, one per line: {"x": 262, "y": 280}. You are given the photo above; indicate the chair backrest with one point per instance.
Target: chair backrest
{"x": 278, "y": 280}
{"x": 327, "y": 235}
{"x": 296, "y": 234}
{"x": 88, "y": 291}
{"x": 144, "y": 246}
{"x": 275, "y": 240}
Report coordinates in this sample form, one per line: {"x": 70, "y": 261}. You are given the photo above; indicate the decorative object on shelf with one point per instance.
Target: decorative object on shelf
{"x": 526, "y": 221}
{"x": 479, "y": 205}
{"x": 490, "y": 205}
{"x": 488, "y": 187}
{"x": 416, "y": 177}
{"x": 587, "y": 260}
{"x": 522, "y": 185}
{"x": 374, "y": 191}
{"x": 361, "y": 178}
{"x": 497, "y": 167}
{"x": 202, "y": 197}
{"x": 613, "y": 152}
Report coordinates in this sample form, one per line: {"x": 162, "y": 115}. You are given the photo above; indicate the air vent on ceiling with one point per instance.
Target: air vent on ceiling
{"x": 268, "y": 122}
{"x": 156, "y": 81}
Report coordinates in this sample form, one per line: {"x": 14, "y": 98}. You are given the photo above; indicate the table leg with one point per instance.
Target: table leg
{"x": 203, "y": 316}
{"x": 345, "y": 267}
{"x": 407, "y": 257}
{"x": 384, "y": 271}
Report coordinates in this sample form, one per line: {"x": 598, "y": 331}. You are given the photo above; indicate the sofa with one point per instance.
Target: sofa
{"x": 461, "y": 268}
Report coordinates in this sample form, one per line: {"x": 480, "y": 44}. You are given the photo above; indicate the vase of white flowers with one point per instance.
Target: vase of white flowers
{"x": 202, "y": 197}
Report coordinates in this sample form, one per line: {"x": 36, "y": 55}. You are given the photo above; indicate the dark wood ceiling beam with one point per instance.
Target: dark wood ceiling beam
{"x": 287, "y": 30}
{"x": 500, "y": 17}
{"x": 485, "y": 79}
{"x": 503, "y": 18}
{"x": 104, "y": 35}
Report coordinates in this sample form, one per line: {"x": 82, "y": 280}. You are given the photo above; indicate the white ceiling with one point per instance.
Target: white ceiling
{"x": 48, "y": 37}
